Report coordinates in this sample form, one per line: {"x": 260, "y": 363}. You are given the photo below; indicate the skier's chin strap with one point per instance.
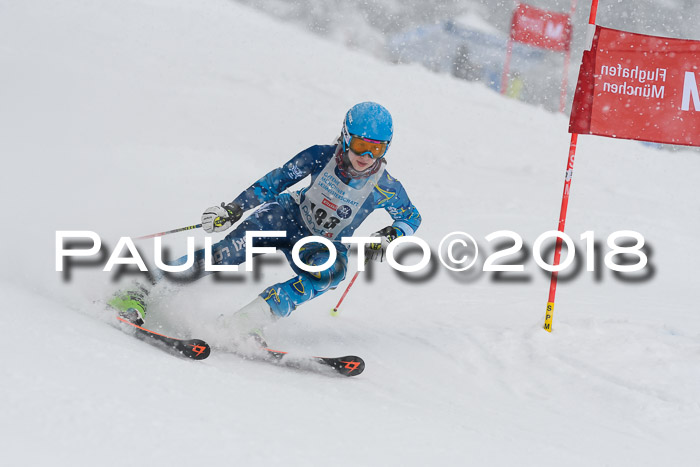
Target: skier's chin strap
{"x": 347, "y": 170}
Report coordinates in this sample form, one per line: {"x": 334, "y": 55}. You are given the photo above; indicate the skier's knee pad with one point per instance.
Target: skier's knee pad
{"x": 284, "y": 297}
{"x": 328, "y": 278}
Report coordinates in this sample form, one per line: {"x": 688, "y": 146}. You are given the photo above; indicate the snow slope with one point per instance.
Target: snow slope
{"x": 130, "y": 117}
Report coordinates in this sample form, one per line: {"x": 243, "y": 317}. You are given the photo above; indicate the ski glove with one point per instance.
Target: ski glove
{"x": 376, "y": 251}
{"x": 220, "y": 218}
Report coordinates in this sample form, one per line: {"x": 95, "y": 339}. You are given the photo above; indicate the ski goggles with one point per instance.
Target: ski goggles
{"x": 368, "y": 147}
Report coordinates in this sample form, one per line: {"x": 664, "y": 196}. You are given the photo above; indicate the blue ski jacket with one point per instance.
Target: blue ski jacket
{"x": 388, "y": 193}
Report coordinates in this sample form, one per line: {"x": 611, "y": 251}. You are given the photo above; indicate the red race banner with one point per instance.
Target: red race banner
{"x": 541, "y": 28}
{"x": 640, "y": 87}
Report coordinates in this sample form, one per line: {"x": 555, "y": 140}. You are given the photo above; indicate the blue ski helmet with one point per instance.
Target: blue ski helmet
{"x": 369, "y": 120}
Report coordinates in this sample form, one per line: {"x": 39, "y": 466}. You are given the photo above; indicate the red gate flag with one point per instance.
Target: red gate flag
{"x": 541, "y": 28}
{"x": 640, "y": 87}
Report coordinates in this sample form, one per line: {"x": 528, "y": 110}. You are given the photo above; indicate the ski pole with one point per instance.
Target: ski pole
{"x": 334, "y": 311}
{"x": 160, "y": 234}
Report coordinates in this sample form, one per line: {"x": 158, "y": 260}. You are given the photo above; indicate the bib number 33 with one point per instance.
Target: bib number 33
{"x": 320, "y": 215}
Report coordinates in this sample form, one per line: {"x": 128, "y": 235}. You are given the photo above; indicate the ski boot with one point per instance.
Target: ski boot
{"x": 131, "y": 304}
{"x": 248, "y": 323}
{"x": 257, "y": 337}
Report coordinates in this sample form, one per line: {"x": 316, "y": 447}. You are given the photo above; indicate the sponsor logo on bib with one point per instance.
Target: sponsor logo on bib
{"x": 344, "y": 211}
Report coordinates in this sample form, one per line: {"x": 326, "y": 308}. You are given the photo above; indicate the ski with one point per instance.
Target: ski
{"x": 195, "y": 349}
{"x": 349, "y": 365}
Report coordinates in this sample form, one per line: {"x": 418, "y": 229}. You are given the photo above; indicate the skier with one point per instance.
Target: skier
{"x": 348, "y": 182}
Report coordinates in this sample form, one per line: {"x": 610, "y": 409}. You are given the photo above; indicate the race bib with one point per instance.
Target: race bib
{"x": 329, "y": 205}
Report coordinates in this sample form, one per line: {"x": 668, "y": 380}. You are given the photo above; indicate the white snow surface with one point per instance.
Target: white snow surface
{"x": 131, "y": 117}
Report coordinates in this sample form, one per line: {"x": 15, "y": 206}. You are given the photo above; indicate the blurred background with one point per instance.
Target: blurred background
{"x": 467, "y": 38}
